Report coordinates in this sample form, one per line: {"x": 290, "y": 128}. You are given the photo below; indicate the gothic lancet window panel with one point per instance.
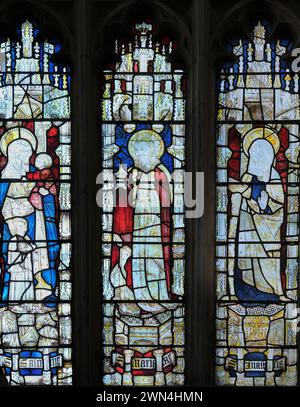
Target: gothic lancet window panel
{"x": 35, "y": 248}
{"x": 257, "y": 225}
{"x": 143, "y": 137}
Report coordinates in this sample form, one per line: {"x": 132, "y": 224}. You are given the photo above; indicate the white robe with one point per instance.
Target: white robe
{"x": 259, "y": 238}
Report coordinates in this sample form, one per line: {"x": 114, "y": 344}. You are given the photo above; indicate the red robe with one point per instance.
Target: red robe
{"x": 123, "y": 217}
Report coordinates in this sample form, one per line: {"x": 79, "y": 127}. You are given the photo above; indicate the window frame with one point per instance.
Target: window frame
{"x": 80, "y": 25}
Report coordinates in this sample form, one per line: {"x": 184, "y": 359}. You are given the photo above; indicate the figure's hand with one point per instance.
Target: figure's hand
{"x": 125, "y": 253}
{"x": 26, "y": 247}
{"x": 263, "y": 200}
{"x": 117, "y": 239}
{"x": 43, "y": 191}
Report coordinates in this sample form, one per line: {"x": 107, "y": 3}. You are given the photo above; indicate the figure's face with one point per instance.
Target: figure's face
{"x": 146, "y": 151}
{"x": 146, "y": 156}
{"x": 142, "y": 151}
{"x": 261, "y": 157}
{"x": 19, "y": 152}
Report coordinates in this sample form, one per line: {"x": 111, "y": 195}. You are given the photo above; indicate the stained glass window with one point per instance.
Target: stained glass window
{"x": 257, "y": 225}
{"x": 143, "y": 137}
{"x": 35, "y": 248}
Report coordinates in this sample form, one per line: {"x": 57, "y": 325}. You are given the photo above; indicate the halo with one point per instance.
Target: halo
{"x": 261, "y": 133}
{"x": 13, "y": 134}
{"x": 147, "y": 136}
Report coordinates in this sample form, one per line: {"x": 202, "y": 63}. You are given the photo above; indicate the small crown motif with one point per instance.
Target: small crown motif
{"x": 143, "y": 28}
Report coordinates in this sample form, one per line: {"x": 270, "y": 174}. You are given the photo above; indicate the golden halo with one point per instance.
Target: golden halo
{"x": 261, "y": 133}
{"x": 149, "y": 136}
{"x": 13, "y": 134}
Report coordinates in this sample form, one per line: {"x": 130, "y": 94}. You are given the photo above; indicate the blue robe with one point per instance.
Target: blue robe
{"x": 49, "y": 275}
